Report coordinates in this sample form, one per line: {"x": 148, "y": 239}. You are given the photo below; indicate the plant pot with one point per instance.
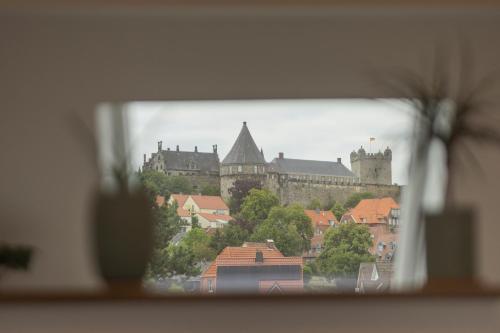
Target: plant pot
{"x": 123, "y": 231}
{"x": 450, "y": 247}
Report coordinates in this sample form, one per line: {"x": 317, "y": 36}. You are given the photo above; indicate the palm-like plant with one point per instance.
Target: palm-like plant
{"x": 450, "y": 109}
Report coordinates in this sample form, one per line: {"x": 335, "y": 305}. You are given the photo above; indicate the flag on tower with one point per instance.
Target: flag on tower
{"x": 372, "y": 139}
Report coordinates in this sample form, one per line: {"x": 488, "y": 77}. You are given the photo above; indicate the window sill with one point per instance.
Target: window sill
{"x": 430, "y": 292}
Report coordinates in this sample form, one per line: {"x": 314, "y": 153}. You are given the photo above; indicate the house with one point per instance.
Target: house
{"x": 212, "y": 221}
{"x": 184, "y": 214}
{"x": 374, "y": 277}
{"x": 211, "y": 211}
{"x": 253, "y": 268}
{"x": 382, "y": 218}
{"x": 321, "y": 221}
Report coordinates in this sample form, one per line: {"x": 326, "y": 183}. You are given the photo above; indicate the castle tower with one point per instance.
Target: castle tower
{"x": 372, "y": 168}
{"x": 244, "y": 161}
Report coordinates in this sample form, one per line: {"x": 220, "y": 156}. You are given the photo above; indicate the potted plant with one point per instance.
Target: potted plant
{"x": 123, "y": 232}
{"x": 122, "y": 221}
{"x": 447, "y": 114}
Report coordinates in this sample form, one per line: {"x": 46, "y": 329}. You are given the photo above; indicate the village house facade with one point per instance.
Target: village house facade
{"x": 382, "y": 218}
{"x": 253, "y": 268}
{"x": 211, "y": 211}
{"x": 321, "y": 221}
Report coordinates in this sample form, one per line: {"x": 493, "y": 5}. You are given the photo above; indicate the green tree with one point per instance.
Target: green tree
{"x": 355, "y": 198}
{"x": 210, "y": 190}
{"x": 256, "y": 207}
{"x": 310, "y": 269}
{"x": 198, "y": 241}
{"x": 338, "y": 210}
{"x": 157, "y": 183}
{"x": 181, "y": 261}
{"x": 179, "y": 184}
{"x": 314, "y": 204}
{"x": 195, "y": 222}
{"x": 346, "y": 247}
{"x": 289, "y": 228}
{"x": 166, "y": 224}
{"x": 231, "y": 235}
{"x": 239, "y": 191}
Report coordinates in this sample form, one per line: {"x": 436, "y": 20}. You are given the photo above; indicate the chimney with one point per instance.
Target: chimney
{"x": 270, "y": 244}
{"x": 159, "y": 146}
{"x": 215, "y": 148}
{"x": 339, "y": 160}
{"x": 281, "y": 156}
{"x": 195, "y": 149}
{"x": 144, "y": 158}
{"x": 168, "y": 148}
{"x": 317, "y": 210}
{"x": 259, "y": 256}
{"x": 177, "y": 148}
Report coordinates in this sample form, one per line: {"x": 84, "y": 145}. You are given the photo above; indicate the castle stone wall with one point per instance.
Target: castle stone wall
{"x": 303, "y": 192}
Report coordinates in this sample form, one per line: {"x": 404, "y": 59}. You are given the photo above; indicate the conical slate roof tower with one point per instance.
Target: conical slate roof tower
{"x": 244, "y": 150}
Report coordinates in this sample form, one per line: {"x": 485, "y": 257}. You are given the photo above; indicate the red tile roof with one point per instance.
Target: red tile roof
{"x": 244, "y": 253}
{"x": 373, "y": 210}
{"x": 180, "y": 198}
{"x": 321, "y": 218}
{"x": 215, "y": 217}
{"x": 210, "y": 202}
{"x": 183, "y": 212}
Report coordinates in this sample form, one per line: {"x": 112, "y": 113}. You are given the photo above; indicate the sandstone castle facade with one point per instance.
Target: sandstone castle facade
{"x": 292, "y": 180}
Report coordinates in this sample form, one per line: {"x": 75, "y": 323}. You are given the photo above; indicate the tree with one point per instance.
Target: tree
{"x": 198, "y": 241}
{"x": 210, "y": 190}
{"x": 180, "y": 260}
{"x": 158, "y": 183}
{"x": 166, "y": 224}
{"x": 239, "y": 191}
{"x": 155, "y": 183}
{"x": 195, "y": 222}
{"x": 338, "y": 210}
{"x": 289, "y": 228}
{"x": 314, "y": 204}
{"x": 231, "y": 235}
{"x": 355, "y": 198}
{"x": 256, "y": 207}
{"x": 345, "y": 248}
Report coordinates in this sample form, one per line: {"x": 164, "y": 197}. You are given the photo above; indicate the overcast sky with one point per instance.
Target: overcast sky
{"x": 303, "y": 129}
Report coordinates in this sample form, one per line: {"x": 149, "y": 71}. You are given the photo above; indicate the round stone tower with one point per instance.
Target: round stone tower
{"x": 244, "y": 161}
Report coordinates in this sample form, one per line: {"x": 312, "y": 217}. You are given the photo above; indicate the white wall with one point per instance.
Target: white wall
{"x": 55, "y": 66}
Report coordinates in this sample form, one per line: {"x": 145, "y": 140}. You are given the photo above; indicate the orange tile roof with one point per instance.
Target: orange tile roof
{"x": 267, "y": 261}
{"x": 215, "y": 217}
{"x": 183, "y": 212}
{"x": 160, "y": 200}
{"x": 180, "y": 198}
{"x": 320, "y": 218}
{"x": 373, "y": 210}
{"x": 244, "y": 253}
{"x": 209, "y": 202}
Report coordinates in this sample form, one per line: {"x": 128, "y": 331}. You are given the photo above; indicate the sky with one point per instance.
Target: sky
{"x": 304, "y": 129}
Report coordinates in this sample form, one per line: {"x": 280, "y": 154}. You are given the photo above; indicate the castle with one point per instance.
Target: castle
{"x": 292, "y": 180}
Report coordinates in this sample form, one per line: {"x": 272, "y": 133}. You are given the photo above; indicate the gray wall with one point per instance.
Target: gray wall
{"x": 58, "y": 66}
